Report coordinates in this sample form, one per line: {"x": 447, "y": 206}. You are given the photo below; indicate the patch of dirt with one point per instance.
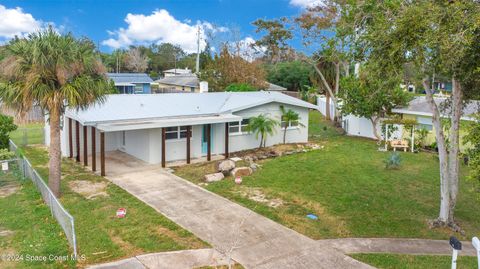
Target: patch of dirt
{"x": 4, "y": 232}
{"x": 185, "y": 241}
{"x": 257, "y": 195}
{"x": 8, "y": 189}
{"x": 335, "y": 223}
{"x": 88, "y": 189}
{"x": 128, "y": 248}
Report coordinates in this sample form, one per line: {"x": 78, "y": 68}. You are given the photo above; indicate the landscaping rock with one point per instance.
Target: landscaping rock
{"x": 242, "y": 171}
{"x": 254, "y": 167}
{"x": 235, "y": 159}
{"x": 214, "y": 177}
{"x": 225, "y": 166}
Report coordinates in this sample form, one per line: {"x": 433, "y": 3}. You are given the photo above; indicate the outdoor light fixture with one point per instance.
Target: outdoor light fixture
{"x": 476, "y": 245}
{"x": 457, "y": 246}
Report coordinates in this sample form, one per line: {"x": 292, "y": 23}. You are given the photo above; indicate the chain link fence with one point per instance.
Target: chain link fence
{"x": 63, "y": 218}
{"x": 28, "y": 136}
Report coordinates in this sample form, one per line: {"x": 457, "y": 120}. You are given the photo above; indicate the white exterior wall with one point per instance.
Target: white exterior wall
{"x": 240, "y": 142}
{"x": 353, "y": 125}
{"x": 146, "y": 144}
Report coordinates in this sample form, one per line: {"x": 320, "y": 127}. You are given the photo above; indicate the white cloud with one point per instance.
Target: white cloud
{"x": 159, "y": 27}
{"x": 306, "y": 3}
{"x": 15, "y": 22}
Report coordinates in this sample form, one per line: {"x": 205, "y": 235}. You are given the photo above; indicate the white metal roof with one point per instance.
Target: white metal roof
{"x": 142, "y": 108}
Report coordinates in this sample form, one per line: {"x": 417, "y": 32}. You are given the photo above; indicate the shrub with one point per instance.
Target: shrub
{"x": 6, "y": 155}
{"x": 393, "y": 161}
{"x": 240, "y": 87}
{"x": 6, "y": 126}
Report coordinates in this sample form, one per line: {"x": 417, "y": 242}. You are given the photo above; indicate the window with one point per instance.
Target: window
{"x": 291, "y": 124}
{"x": 192, "y": 89}
{"x": 233, "y": 127}
{"x": 176, "y": 132}
{"x": 138, "y": 88}
{"x": 123, "y": 139}
{"x": 427, "y": 127}
{"x": 238, "y": 127}
{"x": 244, "y": 125}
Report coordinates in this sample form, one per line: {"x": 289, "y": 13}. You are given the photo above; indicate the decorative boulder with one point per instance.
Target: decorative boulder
{"x": 242, "y": 171}
{"x": 214, "y": 177}
{"x": 225, "y": 166}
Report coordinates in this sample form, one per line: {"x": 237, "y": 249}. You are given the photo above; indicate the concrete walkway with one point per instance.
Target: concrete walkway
{"x": 397, "y": 246}
{"x": 184, "y": 259}
{"x": 237, "y": 232}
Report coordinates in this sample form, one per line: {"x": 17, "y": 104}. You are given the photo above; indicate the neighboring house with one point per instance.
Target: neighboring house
{"x": 131, "y": 83}
{"x": 155, "y": 127}
{"x": 177, "y": 72}
{"x": 418, "y": 109}
{"x": 179, "y": 83}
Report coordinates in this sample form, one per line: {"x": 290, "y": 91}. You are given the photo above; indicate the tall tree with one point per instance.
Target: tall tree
{"x": 275, "y": 40}
{"x": 228, "y": 68}
{"x": 54, "y": 72}
{"x": 136, "y": 60}
{"x": 436, "y": 37}
{"x": 294, "y": 75}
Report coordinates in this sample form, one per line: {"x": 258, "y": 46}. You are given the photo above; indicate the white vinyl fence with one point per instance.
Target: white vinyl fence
{"x": 65, "y": 220}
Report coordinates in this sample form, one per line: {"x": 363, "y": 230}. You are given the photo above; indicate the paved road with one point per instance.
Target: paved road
{"x": 248, "y": 238}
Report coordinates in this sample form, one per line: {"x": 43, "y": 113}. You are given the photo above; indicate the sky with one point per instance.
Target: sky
{"x": 116, "y": 24}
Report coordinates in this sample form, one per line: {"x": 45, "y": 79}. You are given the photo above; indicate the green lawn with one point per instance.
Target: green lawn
{"x": 29, "y": 134}
{"x": 103, "y": 237}
{"x": 35, "y": 231}
{"x": 347, "y": 186}
{"x": 391, "y": 261}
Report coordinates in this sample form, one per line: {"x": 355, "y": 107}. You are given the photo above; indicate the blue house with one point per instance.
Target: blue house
{"x": 131, "y": 83}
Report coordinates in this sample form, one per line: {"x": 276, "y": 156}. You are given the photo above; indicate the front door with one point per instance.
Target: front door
{"x": 204, "y": 139}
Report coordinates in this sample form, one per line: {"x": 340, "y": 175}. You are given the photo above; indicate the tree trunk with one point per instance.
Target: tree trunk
{"x": 261, "y": 142}
{"x": 55, "y": 152}
{"x": 336, "y": 117}
{"x": 327, "y": 107}
{"x": 374, "y": 121}
{"x": 454, "y": 144}
{"x": 448, "y": 157}
{"x": 285, "y": 132}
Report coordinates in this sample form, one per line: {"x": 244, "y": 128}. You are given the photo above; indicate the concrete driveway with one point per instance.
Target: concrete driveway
{"x": 248, "y": 238}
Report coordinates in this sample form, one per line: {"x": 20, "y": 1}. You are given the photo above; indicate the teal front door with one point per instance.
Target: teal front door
{"x": 204, "y": 139}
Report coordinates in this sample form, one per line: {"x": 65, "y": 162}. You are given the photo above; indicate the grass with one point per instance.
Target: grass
{"x": 100, "y": 235}
{"x": 29, "y": 134}
{"x": 35, "y": 231}
{"x": 347, "y": 186}
{"x": 390, "y": 261}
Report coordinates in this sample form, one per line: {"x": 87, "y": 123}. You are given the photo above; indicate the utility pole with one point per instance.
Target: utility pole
{"x": 197, "y": 66}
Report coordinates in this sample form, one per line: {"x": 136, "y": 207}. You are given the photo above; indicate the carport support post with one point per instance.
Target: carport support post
{"x": 209, "y": 142}
{"x": 189, "y": 134}
{"x": 226, "y": 141}
{"x": 102, "y": 154}
{"x": 85, "y": 145}
{"x": 77, "y": 140}
{"x": 163, "y": 146}
{"x": 70, "y": 138}
{"x": 94, "y": 150}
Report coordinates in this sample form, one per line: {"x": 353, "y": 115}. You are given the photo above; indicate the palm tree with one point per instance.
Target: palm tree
{"x": 289, "y": 116}
{"x": 263, "y": 126}
{"x": 54, "y": 72}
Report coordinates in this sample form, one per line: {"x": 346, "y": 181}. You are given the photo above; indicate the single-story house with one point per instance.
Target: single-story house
{"x": 177, "y": 72}
{"x": 131, "y": 83}
{"x": 161, "y": 128}
{"x": 418, "y": 109}
{"x": 178, "y": 83}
